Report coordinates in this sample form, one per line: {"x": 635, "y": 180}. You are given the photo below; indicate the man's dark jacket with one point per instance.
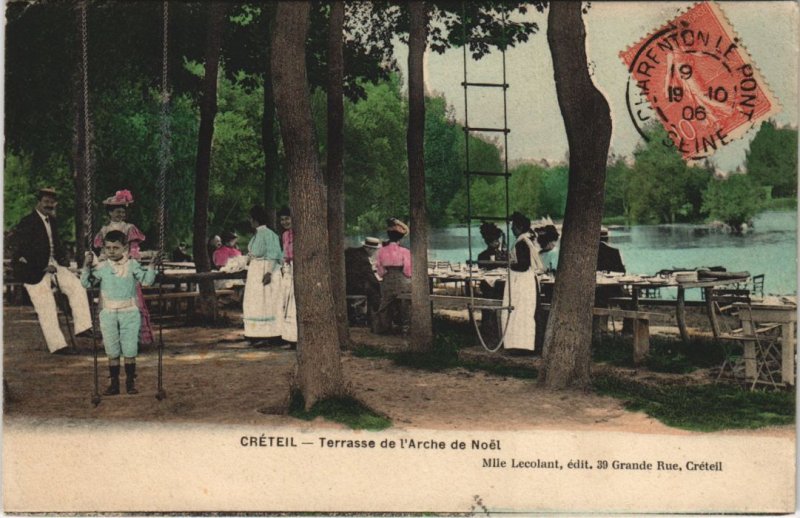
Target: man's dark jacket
{"x": 29, "y": 240}
{"x": 360, "y": 278}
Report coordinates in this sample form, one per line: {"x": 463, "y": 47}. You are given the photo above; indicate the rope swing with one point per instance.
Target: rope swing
{"x": 164, "y": 161}
{"x": 164, "y": 156}
{"x": 88, "y": 183}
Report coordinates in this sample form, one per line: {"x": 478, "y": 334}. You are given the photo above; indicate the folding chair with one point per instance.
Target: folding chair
{"x": 750, "y": 341}
{"x": 758, "y": 285}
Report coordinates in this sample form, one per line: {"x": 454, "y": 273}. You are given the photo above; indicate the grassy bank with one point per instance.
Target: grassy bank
{"x": 704, "y": 408}
{"x": 676, "y": 402}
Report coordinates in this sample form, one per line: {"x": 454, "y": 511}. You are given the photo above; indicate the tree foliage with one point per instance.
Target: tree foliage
{"x": 734, "y": 200}
{"x": 772, "y": 159}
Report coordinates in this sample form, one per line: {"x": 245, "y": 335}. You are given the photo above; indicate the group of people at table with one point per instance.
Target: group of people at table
{"x": 379, "y": 271}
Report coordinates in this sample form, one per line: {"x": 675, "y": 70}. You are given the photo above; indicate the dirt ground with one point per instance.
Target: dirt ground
{"x": 211, "y": 375}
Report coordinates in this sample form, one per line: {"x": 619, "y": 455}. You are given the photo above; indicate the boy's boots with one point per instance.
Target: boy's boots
{"x": 113, "y": 388}
{"x": 130, "y": 377}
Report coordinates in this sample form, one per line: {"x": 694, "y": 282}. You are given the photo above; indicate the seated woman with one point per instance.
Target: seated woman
{"x": 227, "y": 250}
{"x": 493, "y": 288}
{"x": 494, "y": 253}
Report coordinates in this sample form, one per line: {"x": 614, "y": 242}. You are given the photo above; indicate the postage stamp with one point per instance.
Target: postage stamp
{"x": 694, "y": 76}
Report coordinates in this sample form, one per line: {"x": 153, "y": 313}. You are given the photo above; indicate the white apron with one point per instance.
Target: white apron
{"x": 520, "y": 323}
{"x": 262, "y": 305}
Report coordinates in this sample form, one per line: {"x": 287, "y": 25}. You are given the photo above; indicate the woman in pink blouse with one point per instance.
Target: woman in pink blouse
{"x": 227, "y": 250}
{"x": 393, "y": 264}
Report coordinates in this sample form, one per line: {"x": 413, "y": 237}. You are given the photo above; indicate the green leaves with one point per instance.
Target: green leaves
{"x": 734, "y": 200}
{"x": 772, "y": 159}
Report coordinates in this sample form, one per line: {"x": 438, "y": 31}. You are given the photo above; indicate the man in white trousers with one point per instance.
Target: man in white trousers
{"x": 39, "y": 262}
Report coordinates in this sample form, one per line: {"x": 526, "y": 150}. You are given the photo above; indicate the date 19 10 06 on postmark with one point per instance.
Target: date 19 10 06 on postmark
{"x": 694, "y": 76}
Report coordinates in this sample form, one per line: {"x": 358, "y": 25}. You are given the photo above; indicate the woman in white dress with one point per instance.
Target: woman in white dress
{"x": 522, "y": 290}
{"x": 262, "y": 305}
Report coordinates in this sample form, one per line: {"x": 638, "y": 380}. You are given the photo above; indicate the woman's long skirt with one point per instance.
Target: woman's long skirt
{"x": 393, "y": 310}
{"x": 520, "y": 323}
{"x": 262, "y": 307}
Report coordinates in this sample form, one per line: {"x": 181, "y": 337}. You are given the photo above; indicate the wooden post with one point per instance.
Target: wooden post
{"x": 712, "y": 314}
{"x": 641, "y": 340}
{"x": 680, "y": 313}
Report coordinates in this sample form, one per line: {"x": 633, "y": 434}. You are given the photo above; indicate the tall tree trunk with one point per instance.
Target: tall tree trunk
{"x": 421, "y": 323}
{"x": 268, "y": 141}
{"x": 206, "y": 302}
{"x": 335, "y": 169}
{"x": 319, "y": 367}
{"x": 587, "y": 119}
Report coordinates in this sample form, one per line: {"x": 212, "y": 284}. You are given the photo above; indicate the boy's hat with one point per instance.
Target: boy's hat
{"x": 121, "y": 198}
{"x": 372, "y": 242}
{"x": 227, "y": 236}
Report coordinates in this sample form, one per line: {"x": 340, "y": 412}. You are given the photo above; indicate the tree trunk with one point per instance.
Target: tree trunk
{"x": 268, "y": 142}
{"x": 335, "y": 169}
{"x": 421, "y": 323}
{"x": 567, "y": 348}
{"x": 319, "y": 367}
{"x": 206, "y": 303}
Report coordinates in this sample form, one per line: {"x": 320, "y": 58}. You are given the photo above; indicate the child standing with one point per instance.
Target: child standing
{"x": 120, "y": 320}
{"x": 117, "y": 209}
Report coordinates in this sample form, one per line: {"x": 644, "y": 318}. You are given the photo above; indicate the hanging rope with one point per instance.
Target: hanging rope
{"x": 88, "y": 186}
{"x": 164, "y": 157}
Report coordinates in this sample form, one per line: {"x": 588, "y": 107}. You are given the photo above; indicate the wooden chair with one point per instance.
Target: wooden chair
{"x": 748, "y": 340}
{"x": 757, "y": 287}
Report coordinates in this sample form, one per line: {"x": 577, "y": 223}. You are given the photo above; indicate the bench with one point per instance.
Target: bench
{"x": 457, "y": 302}
{"x": 178, "y": 296}
{"x": 639, "y": 322}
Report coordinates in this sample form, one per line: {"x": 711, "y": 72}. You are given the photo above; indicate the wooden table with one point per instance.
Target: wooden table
{"x": 707, "y": 285}
{"x": 783, "y": 314}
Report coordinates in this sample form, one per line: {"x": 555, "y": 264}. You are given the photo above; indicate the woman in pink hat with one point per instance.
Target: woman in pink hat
{"x": 117, "y": 210}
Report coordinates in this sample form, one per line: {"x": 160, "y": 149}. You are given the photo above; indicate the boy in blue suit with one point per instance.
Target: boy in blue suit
{"x": 119, "y": 317}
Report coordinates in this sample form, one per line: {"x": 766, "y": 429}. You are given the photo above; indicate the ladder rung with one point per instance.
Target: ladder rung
{"x": 486, "y": 173}
{"x": 486, "y": 85}
{"x": 489, "y": 130}
{"x": 489, "y": 218}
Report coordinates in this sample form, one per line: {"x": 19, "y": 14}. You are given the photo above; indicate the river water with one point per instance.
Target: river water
{"x": 770, "y": 247}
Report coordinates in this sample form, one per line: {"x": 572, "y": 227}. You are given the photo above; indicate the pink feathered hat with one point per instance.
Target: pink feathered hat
{"x": 121, "y": 198}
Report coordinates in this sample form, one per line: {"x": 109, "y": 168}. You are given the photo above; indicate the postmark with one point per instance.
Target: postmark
{"x": 695, "y": 77}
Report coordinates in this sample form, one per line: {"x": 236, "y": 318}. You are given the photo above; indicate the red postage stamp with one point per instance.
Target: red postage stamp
{"x": 695, "y": 76}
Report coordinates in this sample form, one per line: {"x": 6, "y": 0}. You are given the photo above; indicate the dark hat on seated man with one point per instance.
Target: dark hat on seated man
{"x": 227, "y": 236}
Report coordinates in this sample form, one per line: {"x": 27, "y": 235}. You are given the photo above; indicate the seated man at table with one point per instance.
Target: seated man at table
{"x": 609, "y": 259}
{"x": 360, "y": 273}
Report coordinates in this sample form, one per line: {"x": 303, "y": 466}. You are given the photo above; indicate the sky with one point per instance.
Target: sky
{"x": 768, "y": 30}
